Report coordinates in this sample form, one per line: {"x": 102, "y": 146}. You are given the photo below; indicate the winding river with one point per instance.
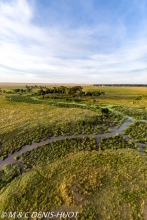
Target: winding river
{"x": 10, "y": 158}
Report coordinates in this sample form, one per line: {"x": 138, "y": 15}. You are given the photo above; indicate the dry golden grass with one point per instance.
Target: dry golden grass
{"x": 21, "y": 115}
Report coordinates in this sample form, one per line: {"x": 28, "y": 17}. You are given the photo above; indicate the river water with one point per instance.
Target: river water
{"x": 10, "y": 158}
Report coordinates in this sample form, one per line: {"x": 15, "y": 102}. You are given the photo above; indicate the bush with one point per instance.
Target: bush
{"x": 105, "y": 110}
{"x": 81, "y": 122}
{"x": 16, "y": 158}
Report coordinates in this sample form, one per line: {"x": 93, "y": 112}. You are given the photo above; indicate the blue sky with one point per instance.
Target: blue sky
{"x": 73, "y": 41}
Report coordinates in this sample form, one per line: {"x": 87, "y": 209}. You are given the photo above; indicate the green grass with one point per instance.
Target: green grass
{"x": 124, "y": 95}
{"x": 137, "y": 113}
{"x": 57, "y": 150}
{"x": 9, "y": 172}
{"x": 137, "y": 131}
{"x": 103, "y": 182}
{"x": 97, "y": 184}
{"x": 21, "y": 123}
{"x": 113, "y": 95}
{"x": 116, "y": 142}
{"x": 18, "y": 120}
{"x": 22, "y": 115}
{"x": 128, "y": 91}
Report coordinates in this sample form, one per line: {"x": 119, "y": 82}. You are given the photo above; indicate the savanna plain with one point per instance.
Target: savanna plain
{"x": 73, "y": 148}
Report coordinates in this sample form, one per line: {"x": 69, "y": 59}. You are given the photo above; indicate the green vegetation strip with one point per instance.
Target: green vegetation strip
{"x": 116, "y": 142}
{"x": 96, "y": 124}
{"x": 56, "y": 150}
{"x": 139, "y": 114}
{"x": 34, "y": 100}
{"x": 59, "y": 149}
{"x": 138, "y": 131}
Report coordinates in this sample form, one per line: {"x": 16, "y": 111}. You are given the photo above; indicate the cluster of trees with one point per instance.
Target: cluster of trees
{"x": 61, "y": 90}
{"x": 2, "y": 90}
{"x": 94, "y": 93}
{"x": 20, "y": 90}
{"x": 27, "y": 89}
{"x": 73, "y": 91}
{"x": 34, "y": 87}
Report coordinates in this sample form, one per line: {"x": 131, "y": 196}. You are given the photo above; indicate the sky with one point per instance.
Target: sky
{"x": 73, "y": 41}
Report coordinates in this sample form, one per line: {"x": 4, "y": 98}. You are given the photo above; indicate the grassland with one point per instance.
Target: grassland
{"x": 21, "y": 122}
{"x": 102, "y": 181}
{"x": 124, "y": 95}
{"x": 59, "y": 149}
{"x": 99, "y": 185}
{"x": 116, "y": 142}
{"x": 9, "y": 172}
{"x": 137, "y": 131}
{"x": 137, "y": 113}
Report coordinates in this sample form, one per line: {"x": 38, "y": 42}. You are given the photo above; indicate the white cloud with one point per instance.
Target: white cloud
{"x": 17, "y": 10}
{"x": 31, "y": 53}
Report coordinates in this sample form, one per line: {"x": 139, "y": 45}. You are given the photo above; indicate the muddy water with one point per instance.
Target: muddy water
{"x": 10, "y": 158}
